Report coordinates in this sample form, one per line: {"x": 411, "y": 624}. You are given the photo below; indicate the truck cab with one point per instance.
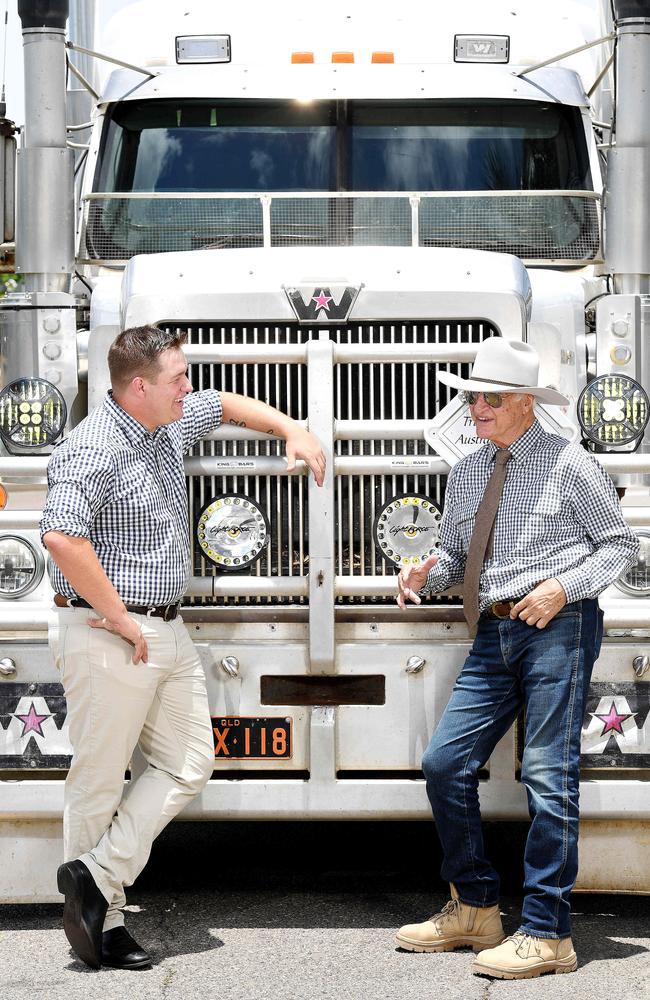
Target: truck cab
{"x": 333, "y": 209}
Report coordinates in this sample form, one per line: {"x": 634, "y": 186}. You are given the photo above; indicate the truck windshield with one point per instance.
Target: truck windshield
{"x": 254, "y": 146}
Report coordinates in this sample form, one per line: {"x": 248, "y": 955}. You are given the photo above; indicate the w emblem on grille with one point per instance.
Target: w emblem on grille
{"x": 324, "y": 303}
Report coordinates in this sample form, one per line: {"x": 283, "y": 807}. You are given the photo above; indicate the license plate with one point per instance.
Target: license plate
{"x": 237, "y": 737}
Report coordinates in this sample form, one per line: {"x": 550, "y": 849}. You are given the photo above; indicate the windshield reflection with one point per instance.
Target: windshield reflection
{"x": 255, "y": 146}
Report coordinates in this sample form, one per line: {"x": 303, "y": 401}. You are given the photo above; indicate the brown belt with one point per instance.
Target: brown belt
{"x": 499, "y": 610}
{"x": 165, "y": 611}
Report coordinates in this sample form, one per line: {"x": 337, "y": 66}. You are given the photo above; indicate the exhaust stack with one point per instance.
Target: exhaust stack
{"x": 45, "y": 218}
{"x": 627, "y": 233}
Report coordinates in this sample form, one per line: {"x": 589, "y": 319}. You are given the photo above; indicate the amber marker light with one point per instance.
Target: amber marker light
{"x": 302, "y": 57}
{"x": 3, "y": 497}
{"x": 383, "y": 57}
{"x": 342, "y": 57}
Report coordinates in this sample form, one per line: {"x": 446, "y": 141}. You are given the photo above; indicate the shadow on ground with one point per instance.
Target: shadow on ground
{"x": 203, "y": 878}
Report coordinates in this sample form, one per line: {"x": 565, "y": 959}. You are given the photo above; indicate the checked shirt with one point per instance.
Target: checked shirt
{"x": 559, "y": 516}
{"x": 123, "y": 487}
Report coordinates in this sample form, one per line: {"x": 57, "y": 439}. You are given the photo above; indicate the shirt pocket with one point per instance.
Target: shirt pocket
{"x": 548, "y": 504}
{"x": 537, "y": 524}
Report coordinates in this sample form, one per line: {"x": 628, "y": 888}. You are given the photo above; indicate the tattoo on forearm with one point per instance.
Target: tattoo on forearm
{"x": 271, "y": 431}
{"x": 237, "y": 423}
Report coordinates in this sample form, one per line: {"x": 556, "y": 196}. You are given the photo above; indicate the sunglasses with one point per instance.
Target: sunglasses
{"x": 493, "y": 399}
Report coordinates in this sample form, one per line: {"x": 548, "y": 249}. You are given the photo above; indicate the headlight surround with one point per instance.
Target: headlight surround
{"x": 613, "y": 410}
{"x": 636, "y": 580}
{"x": 21, "y": 567}
{"x": 32, "y": 414}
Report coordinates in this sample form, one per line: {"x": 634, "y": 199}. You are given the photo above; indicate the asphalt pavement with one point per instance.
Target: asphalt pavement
{"x": 308, "y": 912}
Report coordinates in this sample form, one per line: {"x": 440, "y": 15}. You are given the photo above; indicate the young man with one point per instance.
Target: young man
{"x": 534, "y": 528}
{"x": 116, "y": 526}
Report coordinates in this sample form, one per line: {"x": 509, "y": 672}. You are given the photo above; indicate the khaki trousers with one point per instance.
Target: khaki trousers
{"x": 114, "y": 705}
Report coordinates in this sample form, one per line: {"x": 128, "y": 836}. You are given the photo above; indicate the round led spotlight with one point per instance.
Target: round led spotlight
{"x": 21, "y": 567}
{"x": 232, "y": 531}
{"x": 636, "y": 580}
{"x": 406, "y": 529}
{"x": 32, "y": 413}
{"x": 613, "y": 410}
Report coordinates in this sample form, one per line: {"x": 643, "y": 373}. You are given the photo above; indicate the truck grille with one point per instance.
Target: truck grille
{"x": 386, "y": 391}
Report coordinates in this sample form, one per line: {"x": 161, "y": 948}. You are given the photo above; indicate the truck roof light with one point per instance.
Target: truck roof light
{"x": 383, "y": 57}
{"x": 302, "y": 57}
{"x": 342, "y": 57}
{"x": 203, "y": 49}
{"x": 482, "y": 48}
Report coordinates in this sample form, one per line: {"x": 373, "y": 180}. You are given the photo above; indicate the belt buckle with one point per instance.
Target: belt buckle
{"x": 497, "y": 614}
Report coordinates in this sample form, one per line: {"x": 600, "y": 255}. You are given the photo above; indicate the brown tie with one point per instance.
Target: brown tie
{"x": 483, "y": 525}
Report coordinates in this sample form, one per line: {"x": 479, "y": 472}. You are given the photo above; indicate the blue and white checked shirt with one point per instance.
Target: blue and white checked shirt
{"x": 559, "y": 516}
{"x": 123, "y": 488}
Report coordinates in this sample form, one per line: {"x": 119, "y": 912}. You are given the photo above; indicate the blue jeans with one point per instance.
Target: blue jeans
{"x": 546, "y": 672}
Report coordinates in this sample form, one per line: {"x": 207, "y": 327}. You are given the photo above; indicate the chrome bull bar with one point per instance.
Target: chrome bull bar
{"x": 322, "y": 584}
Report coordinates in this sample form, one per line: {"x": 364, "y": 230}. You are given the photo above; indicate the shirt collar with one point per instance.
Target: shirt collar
{"x": 134, "y": 432}
{"x": 524, "y": 445}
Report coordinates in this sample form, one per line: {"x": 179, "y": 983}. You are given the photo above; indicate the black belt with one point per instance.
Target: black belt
{"x": 165, "y": 611}
{"x": 499, "y": 610}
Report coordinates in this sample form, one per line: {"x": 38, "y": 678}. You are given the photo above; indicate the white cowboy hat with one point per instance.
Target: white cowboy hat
{"x": 497, "y": 357}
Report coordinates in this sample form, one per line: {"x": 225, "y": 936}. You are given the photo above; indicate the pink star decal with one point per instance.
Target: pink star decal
{"x": 613, "y": 721}
{"x": 32, "y": 721}
{"x": 322, "y": 300}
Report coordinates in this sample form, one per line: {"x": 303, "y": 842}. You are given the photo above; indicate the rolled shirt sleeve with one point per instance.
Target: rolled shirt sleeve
{"x": 597, "y": 508}
{"x": 202, "y": 412}
{"x": 78, "y": 482}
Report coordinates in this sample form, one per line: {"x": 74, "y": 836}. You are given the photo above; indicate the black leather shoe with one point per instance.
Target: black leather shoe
{"x": 84, "y": 911}
{"x": 120, "y": 951}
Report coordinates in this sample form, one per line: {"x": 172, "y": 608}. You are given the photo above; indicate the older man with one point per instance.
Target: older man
{"x": 534, "y": 529}
{"x": 115, "y": 525}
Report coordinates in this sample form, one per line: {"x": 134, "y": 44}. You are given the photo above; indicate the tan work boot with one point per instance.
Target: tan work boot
{"x": 456, "y": 926}
{"x": 524, "y": 957}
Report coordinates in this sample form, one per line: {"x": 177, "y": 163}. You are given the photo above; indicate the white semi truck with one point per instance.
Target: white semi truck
{"x": 333, "y": 203}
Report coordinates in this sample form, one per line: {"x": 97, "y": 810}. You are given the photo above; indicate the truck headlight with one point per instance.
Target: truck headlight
{"x": 636, "y": 580}
{"x": 32, "y": 413}
{"x": 232, "y": 531}
{"x": 406, "y": 529}
{"x": 613, "y": 410}
{"x": 21, "y": 567}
